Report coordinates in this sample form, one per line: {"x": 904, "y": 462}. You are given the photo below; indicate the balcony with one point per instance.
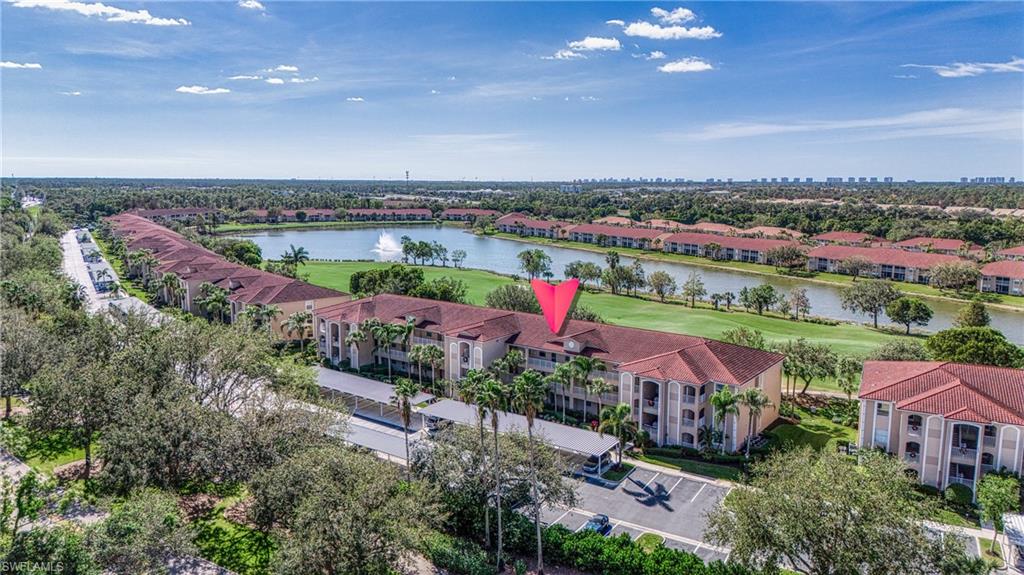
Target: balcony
{"x": 962, "y": 481}
{"x": 541, "y": 364}
{"x": 913, "y": 430}
{"x": 424, "y": 341}
{"x": 963, "y": 455}
{"x": 912, "y": 457}
{"x": 652, "y": 430}
{"x": 990, "y": 441}
{"x": 689, "y": 399}
{"x": 689, "y": 422}
{"x": 399, "y": 355}
{"x": 650, "y": 404}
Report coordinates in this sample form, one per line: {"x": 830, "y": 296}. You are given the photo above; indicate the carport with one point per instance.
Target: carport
{"x": 580, "y": 444}
{"x": 367, "y": 397}
{"x": 1013, "y": 528}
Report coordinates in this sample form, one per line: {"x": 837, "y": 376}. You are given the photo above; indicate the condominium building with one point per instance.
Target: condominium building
{"x": 1014, "y": 253}
{"x": 1003, "y": 277}
{"x": 178, "y": 214}
{"x": 388, "y": 214}
{"x": 195, "y": 265}
{"x": 300, "y": 215}
{"x": 468, "y": 214}
{"x": 516, "y": 223}
{"x": 617, "y": 236}
{"x": 667, "y": 378}
{"x": 844, "y": 239}
{"x": 951, "y": 247}
{"x": 949, "y": 422}
{"x": 886, "y": 263}
{"x": 736, "y": 248}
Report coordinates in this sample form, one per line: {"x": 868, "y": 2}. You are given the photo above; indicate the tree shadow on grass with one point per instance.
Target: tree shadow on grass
{"x": 241, "y": 549}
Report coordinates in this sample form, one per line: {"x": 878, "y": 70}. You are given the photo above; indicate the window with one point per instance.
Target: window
{"x": 882, "y": 409}
{"x": 309, "y": 306}
{"x": 881, "y": 438}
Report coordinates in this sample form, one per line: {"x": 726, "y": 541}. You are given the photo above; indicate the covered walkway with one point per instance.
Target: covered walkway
{"x": 367, "y": 397}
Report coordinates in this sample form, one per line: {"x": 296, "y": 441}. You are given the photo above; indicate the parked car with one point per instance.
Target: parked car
{"x": 434, "y": 425}
{"x": 599, "y": 523}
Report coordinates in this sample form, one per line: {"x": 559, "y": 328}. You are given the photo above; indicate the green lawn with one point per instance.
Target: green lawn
{"x": 844, "y": 338}
{"x": 649, "y": 541}
{"x": 236, "y": 547}
{"x": 814, "y": 430}
{"x": 243, "y": 227}
{"x": 620, "y": 473}
{"x": 995, "y": 556}
{"x": 1012, "y": 302}
{"x": 46, "y": 453}
{"x": 692, "y": 466}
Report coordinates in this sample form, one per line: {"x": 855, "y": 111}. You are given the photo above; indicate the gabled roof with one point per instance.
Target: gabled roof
{"x": 469, "y": 212}
{"x": 887, "y": 256}
{"x": 976, "y": 393}
{"x": 734, "y": 242}
{"x": 517, "y": 219}
{"x": 617, "y": 231}
{"x": 772, "y": 232}
{"x": 1016, "y": 251}
{"x": 1004, "y": 269}
{"x": 846, "y": 237}
{"x": 943, "y": 244}
{"x": 658, "y": 355}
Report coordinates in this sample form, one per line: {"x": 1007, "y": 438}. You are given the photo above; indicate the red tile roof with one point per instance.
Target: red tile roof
{"x": 734, "y": 242}
{"x": 192, "y": 262}
{"x": 975, "y": 393}
{"x": 649, "y": 353}
{"x": 944, "y": 244}
{"x": 617, "y": 231}
{"x": 713, "y": 228}
{"x": 887, "y": 256}
{"x": 165, "y": 212}
{"x": 291, "y": 213}
{"x": 846, "y": 237}
{"x": 477, "y": 212}
{"x": 390, "y": 212}
{"x": 663, "y": 224}
{"x": 772, "y": 232}
{"x": 615, "y": 221}
{"x": 1016, "y": 251}
{"x": 1004, "y": 269}
{"x": 517, "y": 219}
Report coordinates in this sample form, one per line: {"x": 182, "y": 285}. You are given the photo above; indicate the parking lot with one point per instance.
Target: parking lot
{"x": 665, "y": 504}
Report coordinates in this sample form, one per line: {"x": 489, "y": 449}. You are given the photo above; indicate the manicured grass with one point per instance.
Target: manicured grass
{"x": 993, "y": 556}
{"x": 129, "y": 286}
{"x": 243, "y": 227}
{"x": 696, "y": 467}
{"x": 649, "y": 541}
{"x": 48, "y": 452}
{"x": 814, "y": 430}
{"x": 950, "y": 517}
{"x": 618, "y": 474}
{"x": 831, "y": 278}
{"x": 845, "y": 338}
{"x": 236, "y": 547}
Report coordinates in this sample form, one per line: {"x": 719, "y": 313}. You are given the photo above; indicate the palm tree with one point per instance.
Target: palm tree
{"x": 564, "y": 375}
{"x": 416, "y": 355}
{"x": 617, "y": 420}
{"x": 510, "y": 363}
{"x": 528, "y": 393}
{"x": 470, "y": 388}
{"x": 707, "y": 437}
{"x": 493, "y": 396}
{"x": 298, "y": 322}
{"x": 725, "y": 402}
{"x": 583, "y": 366}
{"x": 405, "y": 390}
{"x": 384, "y": 335}
{"x": 433, "y": 355}
{"x": 599, "y": 386}
{"x": 213, "y": 301}
{"x": 171, "y": 284}
{"x": 756, "y": 402}
{"x": 295, "y": 256}
{"x": 352, "y": 339}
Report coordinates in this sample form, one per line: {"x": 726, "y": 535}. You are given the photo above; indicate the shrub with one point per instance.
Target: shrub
{"x": 959, "y": 495}
{"x": 457, "y": 555}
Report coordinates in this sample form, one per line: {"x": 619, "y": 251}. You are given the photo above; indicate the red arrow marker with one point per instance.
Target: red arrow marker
{"x": 555, "y": 300}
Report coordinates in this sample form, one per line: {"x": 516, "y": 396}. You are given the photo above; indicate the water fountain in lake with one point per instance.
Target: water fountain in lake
{"x": 387, "y": 247}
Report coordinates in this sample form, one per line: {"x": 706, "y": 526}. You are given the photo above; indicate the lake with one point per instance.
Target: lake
{"x": 499, "y": 255}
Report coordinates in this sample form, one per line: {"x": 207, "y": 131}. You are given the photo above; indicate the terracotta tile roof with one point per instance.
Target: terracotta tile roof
{"x": 469, "y": 212}
{"x": 976, "y": 393}
{"x": 846, "y": 237}
{"x": 291, "y": 213}
{"x": 944, "y": 244}
{"x": 656, "y": 354}
{"x": 887, "y": 256}
{"x": 713, "y": 228}
{"x": 617, "y": 231}
{"x": 390, "y": 212}
{"x": 518, "y": 219}
{"x": 734, "y": 242}
{"x": 1004, "y": 269}
{"x": 1016, "y": 251}
{"x": 166, "y": 212}
{"x": 196, "y": 263}
{"x": 664, "y": 224}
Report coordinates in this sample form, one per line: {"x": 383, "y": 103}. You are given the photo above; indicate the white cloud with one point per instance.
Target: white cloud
{"x": 658, "y": 32}
{"x": 275, "y": 81}
{"x": 591, "y": 43}
{"x": 656, "y": 55}
{"x": 21, "y": 65}
{"x": 75, "y": 93}
{"x": 250, "y": 5}
{"x": 245, "y": 77}
{"x": 564, "y": 54}
{"x": 355, "y": 99}
{"x": 110, "y": 13}
{"x": 616, "y": 22}
{"x": 686, "y": 65}
{"x": 968, "y": 69}
{"x": 434, "y": 92}
{"x": 589, "y": 98}
{"x": 202, "y": 90}
{"x": 926, "y": 123}
{"x": 284, "y": 68}
{"x": 677, "y": 16}
{"x": 304, "y": 80}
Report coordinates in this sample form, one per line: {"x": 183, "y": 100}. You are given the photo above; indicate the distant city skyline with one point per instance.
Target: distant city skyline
{"x": 513, "y": 91}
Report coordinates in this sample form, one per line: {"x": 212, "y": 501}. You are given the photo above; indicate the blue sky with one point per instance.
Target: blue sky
{"x": 512, "y": 91}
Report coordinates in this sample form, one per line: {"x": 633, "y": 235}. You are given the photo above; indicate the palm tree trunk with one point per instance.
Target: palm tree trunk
{"x": 536, "y": 501}
{"x": 586, "y": 397}
{"x": 487, "y": 502}
{"x": 7, "y": 406}
{"x": 750, "y": 434}
{"x": 497, "y": 491}
{"x": 408, "y": 463}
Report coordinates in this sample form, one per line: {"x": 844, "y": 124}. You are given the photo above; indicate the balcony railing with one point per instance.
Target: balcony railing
{"x": 964, "y": 454}
{"x": 651, "y": 403}
{"x": 689, "y": 399}
{"x": 651, "y": 429}
{"x": 399, "y": 355}
{"x": 541, "y": 364}
{"x": 990, "y": 441}
{"x": 913, "y": 430}
{"x": 689, "y": 422}
{"x": 962, "y": 481}
{"x": 425, "y": 341}
{"x": 912, "y": 457}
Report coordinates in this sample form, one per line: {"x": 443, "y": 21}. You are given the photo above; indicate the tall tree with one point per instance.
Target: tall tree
{"x": 693, "y": 288}
{"x": 528, "y": 393}
{"x": 869, "y": 297}
{"x": 582, "y": 367}
{"x": 982, "y": 345}
{"x": 298, "y": 323}
{"x": 909, "y": 311}
{"x": 618, "y": 421}
{"x": 725, "y": 403}
{"x": 534, "y": 263}
{"x": 662, "y": 284}
{"x": 756, "y": 401}
{"x": 405, "y": 391}
{"x": 974, "y": 314}
{"x": 296, "y": 256}
{"x": 997, "y": 495}
{"x": 494, "y": 397}
{"x": 471, "y": 390}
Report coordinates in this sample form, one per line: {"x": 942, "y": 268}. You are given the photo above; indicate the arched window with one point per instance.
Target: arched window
{"x": 988, "y": 459}
{"x": 912, "y": 449}
{"x": 687, "y": 439}
{"x": 914, "y": 422}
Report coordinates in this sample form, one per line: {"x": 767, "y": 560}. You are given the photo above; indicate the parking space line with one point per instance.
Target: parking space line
{"x": 674, "y": 486}
{"x": 560, "y": 517}
{"x": 694, "y": 498}
{"x": 696, "y": 549}
{"x": 664, "y": 534}
{"x": 652, "y": 480}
